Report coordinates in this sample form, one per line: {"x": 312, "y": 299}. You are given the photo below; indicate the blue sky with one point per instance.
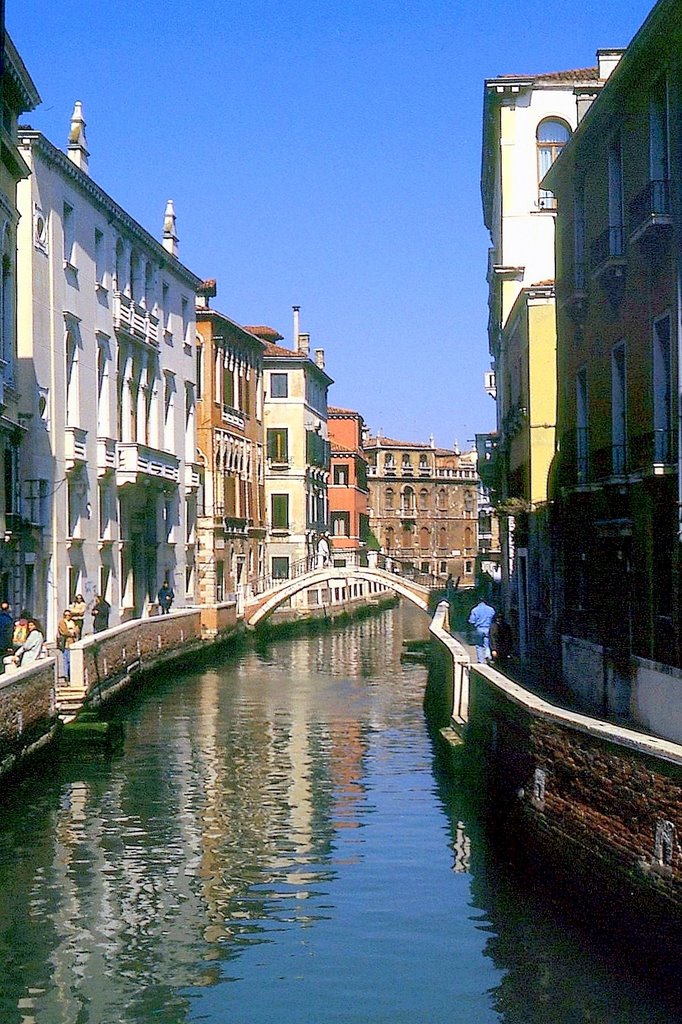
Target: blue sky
{"x": 322, "y": 154}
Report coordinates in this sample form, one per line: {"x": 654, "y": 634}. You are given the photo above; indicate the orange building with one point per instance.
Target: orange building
{"x": 348, "y": 489}
{"x": 231, "y": 513}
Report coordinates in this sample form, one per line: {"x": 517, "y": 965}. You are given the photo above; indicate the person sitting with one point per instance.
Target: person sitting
{"x": 20, "y": 631}
{"x": 32, "y": 647}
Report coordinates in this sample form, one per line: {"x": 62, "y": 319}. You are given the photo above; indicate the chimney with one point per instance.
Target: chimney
{"x": 584, "y": 98}
{"x": 432, "y": 441}
{"x": 608, "y": 62}
{"x": 319, "y": 358}
{"x": 207, "y": 290}
{"x": 297, "y": 324}
{"x": 78, "y": 146}
{"x": 170, "y": 238}
{"x": 304, "y": 344}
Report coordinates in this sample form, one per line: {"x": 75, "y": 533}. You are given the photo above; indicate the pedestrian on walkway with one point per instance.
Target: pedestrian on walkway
{"x": 77, "y": 609}
{"x": 501, "y": 641}
{"x": 481, "y": 618}
{"x": 6, "y": 628}
{"x": 67, "y": 634}
{"x": 100, "y": 613}
{"x": 165, "y": 596}
{"x": 32, "y": 647}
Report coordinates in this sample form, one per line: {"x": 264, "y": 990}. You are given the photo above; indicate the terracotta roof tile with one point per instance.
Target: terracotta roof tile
{"x": 264, "y": 332}
{"x": 577, "y": 74}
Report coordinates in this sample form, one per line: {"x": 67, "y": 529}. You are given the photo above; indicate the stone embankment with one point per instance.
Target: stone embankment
{"x": 36, "y": 702}
{"x": 602, "y": 800}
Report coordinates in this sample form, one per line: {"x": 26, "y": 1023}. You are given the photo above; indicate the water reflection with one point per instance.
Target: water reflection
{"x": 272, "y": 846}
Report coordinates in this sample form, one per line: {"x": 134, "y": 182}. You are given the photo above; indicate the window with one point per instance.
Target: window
{"x": 166, "y": 312}
{"x": 341, "y": 524}
{"x": 615, "y": 169}
{"x": 72, "y": 402}
{"x": 424, "y": 498}
{"x": 582, "y": 426}
{"x": 408, "y": 500}
{"x": 579, "y": 237}
{"x": 389, "y": 498}
{"x": 200, "y": 372}
{"x": 552, "y": 135}
{"x": 278, "y": 444}
{"x": 99, "y": 258}
{"x": 618, "y": 409}
{"x": 279, "y": 385}
{"x": 659, "y": 160}
{"x": 185, "y": 320}
{"x": 341, "y": 474}
{"x": 69, "y": 235}
{"x": 662, "y": 382}
{"x": 280, "y": 567}
{"x": 279, "y": 511}
{"x": 425, "y": 538}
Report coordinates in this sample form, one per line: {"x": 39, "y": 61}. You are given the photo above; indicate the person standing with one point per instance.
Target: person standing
{"x": 481, "y": 618}
{"x": 165, "y": 596}
{"x": 32, "y": 647}
{"x": 6, "y": 628}
{"x": 501, "y": 640}
{"x": 77, "y": 609}
{"x": 67, "y": 634}
{"x": 100, "y": 613}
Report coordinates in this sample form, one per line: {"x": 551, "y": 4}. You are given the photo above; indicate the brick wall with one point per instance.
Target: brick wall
{"x": 611, "y": 801}
{"x": 134, "y": 645}
{"x": 27, "y": 710}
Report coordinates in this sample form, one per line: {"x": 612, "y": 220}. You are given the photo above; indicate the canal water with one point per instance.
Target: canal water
{"x": 279, "y": 841}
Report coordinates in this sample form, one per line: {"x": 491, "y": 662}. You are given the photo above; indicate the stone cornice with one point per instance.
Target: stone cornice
{"x": 54, "y": 157}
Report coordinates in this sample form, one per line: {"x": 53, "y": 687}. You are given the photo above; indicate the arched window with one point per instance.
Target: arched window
{"x": 443, "y": 538}
{"x": 552, "y": 135}
{"x": 390, "y": 538}
{"x": 424, "y": 538}
{"x": 442, "y": 499}
{"x": 424, "y": 498}
{"x": 468, "y": 536}
{"x": 408, "y": 499}
{"x": 388, "y": 497}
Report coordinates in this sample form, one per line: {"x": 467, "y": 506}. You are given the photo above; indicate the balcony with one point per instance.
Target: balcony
{"x": 138, "y": 462}
{"x": 653, "y": 452}
{"x": 650, "y": 217}
{"x": 607, "y": 254}
{"x": 234, "y": 417}
{"x": 192, "y": 476}
{"x": 235, "y": 526}
{"x": 74, "y": 447}
{"x": 106, "y": 455}
{"x": 134, "y": 320}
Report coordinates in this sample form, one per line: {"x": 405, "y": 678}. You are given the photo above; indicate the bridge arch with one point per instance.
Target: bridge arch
{"x": 262, "y": 605}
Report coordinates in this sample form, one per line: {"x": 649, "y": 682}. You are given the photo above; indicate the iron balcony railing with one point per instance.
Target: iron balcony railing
{"x": 640, "y": 453}
{"x": 607, "y": 246}
{"x": 652, "y": 202}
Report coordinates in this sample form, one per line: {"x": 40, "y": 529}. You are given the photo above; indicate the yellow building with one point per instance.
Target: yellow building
{"x": 527, "y": 121}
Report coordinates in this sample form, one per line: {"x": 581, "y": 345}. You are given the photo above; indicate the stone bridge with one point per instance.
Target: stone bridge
{"x": 258, "y": 607}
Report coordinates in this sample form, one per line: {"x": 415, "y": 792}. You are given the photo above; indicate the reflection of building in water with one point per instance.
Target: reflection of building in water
{"x": 462, "y": 849}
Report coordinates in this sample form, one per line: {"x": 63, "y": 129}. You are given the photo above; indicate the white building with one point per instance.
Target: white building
{"x": 107, "y": 352}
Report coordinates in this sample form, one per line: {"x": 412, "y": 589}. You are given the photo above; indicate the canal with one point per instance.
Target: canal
{"x": 279, "y": 841}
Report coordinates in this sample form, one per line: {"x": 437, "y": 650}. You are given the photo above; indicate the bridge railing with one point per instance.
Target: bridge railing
{"x": 371, "y": 560}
